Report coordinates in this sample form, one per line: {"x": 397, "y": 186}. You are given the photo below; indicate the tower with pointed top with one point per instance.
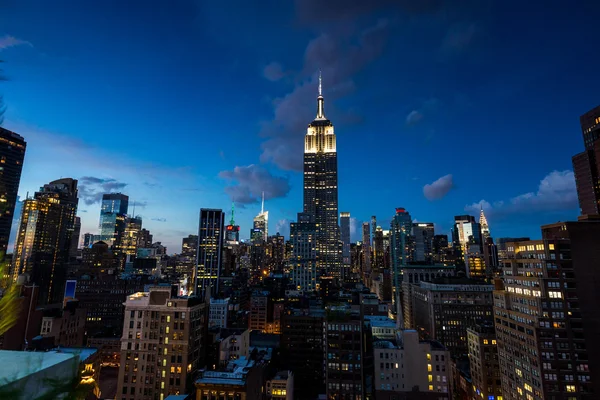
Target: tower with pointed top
{"x": 321, "y": 189}
{"x": 232, "y": 231}
{"x": 485, "y": 229}
{"x": 260, "y": 229}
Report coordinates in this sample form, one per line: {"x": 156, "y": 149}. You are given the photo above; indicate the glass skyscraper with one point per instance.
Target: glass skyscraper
{"x": 113, "y": 215}
{"x": 321, "y": 190}
{"x": 210, "y": 244}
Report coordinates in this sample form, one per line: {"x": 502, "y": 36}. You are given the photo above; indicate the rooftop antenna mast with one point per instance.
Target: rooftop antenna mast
{"x": 262, "y": 207}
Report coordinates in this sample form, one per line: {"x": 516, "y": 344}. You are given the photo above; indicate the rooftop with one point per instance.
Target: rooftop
{"x": 380, "y": 321}
{"x": 18, "y": 364}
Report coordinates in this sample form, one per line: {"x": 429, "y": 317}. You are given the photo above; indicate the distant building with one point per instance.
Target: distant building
{"x": 466, "y": 234}
{"x": 12, "y": 153}
{"x": 303, "y": 259}
{"x": 88, "y": 240}
{"x": 217, "y": 316}
{"x": 260, "y": 308}
{"x": 162, "y": 344}
{"x": 423, "y": 233}
{"x": 345, "y": 236}
{"x": 131, "y": 236}
{"x": 440, "y": 248}
{"x": 232, "y": 231}
{"x": 281, "y": 386}
{"x": 242, "y": 379}
{"x": 113, "y": 215}
{"x": 210, "y": 245}
{"x": 44, "y": 240}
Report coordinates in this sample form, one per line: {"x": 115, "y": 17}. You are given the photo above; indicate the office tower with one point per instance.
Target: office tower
{"x": 12, "y": 153}
{"x": 485, "y": 229}
{"x": 44, "y": 239}
{"x": 373, "y": 227}
{"x": 113, "y": 214}
{"x": 423, "y": 233}
{"x": 131, "y": 236}
{"x": 466, "y": 234}
{"x": 343, "y": 353}
{"x": 446, "y": 307}
{"x": 483, "y": 360}
{"x": 162, "y": 344}
{"x": 210, "y": 246}
{"x": 400, "y": 230}
{"x": 502, "y": 244}
{"x": 345, "y": 235}
{"x": 586, "y": 164}
{"x": 378, "y": 253}
{"x": 366, "y": 247}
{"x": 145, "y": 239}
{"x": 275, "y": 252}
{"x": 75, "y": 237}
{"x": 490, "y": 256}
{"x": 232, "y": 231}
{"x": 260, "y": 230}
{"x": 189, "y": 249}
{"x": 547, "y": 340}
{"x": 303, "y": 260}
{"x": 403, "y": 363}
{"x": 259, "y": 310}
{"x": 302, "y": 348}
{"x": 321, "y": 190}
{"x": 88, "y": 240}
{"x": 410, "y": 276}
{"x": 440, "y": 247}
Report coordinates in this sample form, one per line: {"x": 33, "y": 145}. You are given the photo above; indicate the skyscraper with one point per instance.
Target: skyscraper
{"x": 400, "y": 228}
{"x": 131, "y": 235}
{"x": 113, "y": 215}
{"x": 232, "y": 231}
{"x": 210, "y": 244}
{"x": 345, "y": 231}
{"x": 366, "y": 249}
{"x": 12, "y": 152}
{"x": 303, "y": 261}
{"x": 466, "y": 234}
{"x": 321, "y": 190}
{"x": 260, "y": 230}
{"x": 44, "y": 239}
{"x": 423, "y": 233}
{"x": 485, "y": 229}
{"x": 586, "y": 164}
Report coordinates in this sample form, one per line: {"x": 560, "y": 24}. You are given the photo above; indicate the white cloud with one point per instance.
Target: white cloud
{"x": 11, "y": 41}
{"x": 439, "y": 188}
{"x": 555, "y": 192}
{"x": 414, "y": 117}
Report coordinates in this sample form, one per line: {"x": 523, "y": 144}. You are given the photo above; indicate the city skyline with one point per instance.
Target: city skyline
{"x": 111, "y": 135}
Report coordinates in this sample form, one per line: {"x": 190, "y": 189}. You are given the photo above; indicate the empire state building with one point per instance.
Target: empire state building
{"x": 321, "y": 190}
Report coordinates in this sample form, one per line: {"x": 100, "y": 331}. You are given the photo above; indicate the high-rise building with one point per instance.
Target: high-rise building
{"x": 485, "y": 229}
{"x": 345, "y": 235}
{"x": 586, "y": 165}
{"x": 378, "y": 250}
{"x": 400, "y": 237}
{"x": 321, "y": 189}
{"x": 547, "y": 343}
{"x": 210, "y": 246}
{"x": 466, "y": 235}
{"x": 260, "y": 229}
{"x": 483, "y": 360}
{"x": 303, "y": 259}
{"x": 12, "y": 153}
{"x": 75, "y": 237}
{"x": 366, "y": 250}
{"x": 423, "y": 233}
{"x": 88, "y": 240}
{"x": 44, "y": 239}
{"x": 440, "y": 248}
{"x": 131, "y": 235}
{"x": 446, "y": 307}
{"x": 113, "y": 215}
{"x": 162, "y": 344}
{"x": 189, "y": 249}
{"x": 232, "y": 231}
{"x": 145, "y": 239}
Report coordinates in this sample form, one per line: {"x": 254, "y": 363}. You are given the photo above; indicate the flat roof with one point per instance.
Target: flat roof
{"x": 18, "y": 364}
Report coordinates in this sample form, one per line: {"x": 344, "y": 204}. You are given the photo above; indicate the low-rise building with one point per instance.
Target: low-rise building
{"x": 281, "y": 386}
{"x": 217, "y": 316}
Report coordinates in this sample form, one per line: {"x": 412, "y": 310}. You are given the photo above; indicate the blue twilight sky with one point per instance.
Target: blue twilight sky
{"x": 185, "y": 104}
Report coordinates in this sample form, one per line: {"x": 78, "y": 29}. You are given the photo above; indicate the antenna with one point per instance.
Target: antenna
{"x": 232, "y": 212}
{"x": 262, "y": 207}
{"x": 320, "y": 87}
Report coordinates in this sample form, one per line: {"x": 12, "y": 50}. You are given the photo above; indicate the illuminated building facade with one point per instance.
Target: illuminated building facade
{"x": 161, "y": 345}
{"x": 466, "y": 235}
{"x": 423, "y": 233}
{"x": 130, "y": 237}
{"x": 113, "y": 216}
{"x": 483, "y": 361}
{"x": 546, "y": 345}
{"x": 321, "y": 189}
{"x": 12, "y": 152}
{"x": 260, "y": 228}
{"x": 232, "y": 231}
{"x": 44, "y": 238}
{"x": 400, "y": 238}
{"x": 210, "y": 246}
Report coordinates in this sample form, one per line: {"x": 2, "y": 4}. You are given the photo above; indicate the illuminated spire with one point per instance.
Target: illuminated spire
{"x": 262, "y": 207}
{"x": 232, "y": 222}
{"x": 485, "y": 229}
{"x": 320, "y": 101}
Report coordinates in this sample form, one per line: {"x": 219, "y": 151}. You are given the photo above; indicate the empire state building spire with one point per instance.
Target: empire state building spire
{"x": 320, "y": 101}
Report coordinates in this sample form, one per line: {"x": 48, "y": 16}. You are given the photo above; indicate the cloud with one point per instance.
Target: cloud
{"x": 413, "y": 118}
{"x": 283, "y": 227}
{"x": 92, "y": 188}
{"x": 251, "y": 181}
{"x": 555, "y": 192}
{"x": 355, "y": 232}
{"x": 159, "y": 219}
{"x": 11, "y": 41}
{"x": 339, "y": 56}
{"x": 439, "y": 188}
{"x": 273, "y": 72}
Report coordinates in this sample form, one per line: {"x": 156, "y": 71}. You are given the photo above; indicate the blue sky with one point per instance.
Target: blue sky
{"x": 189, "y": 104}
